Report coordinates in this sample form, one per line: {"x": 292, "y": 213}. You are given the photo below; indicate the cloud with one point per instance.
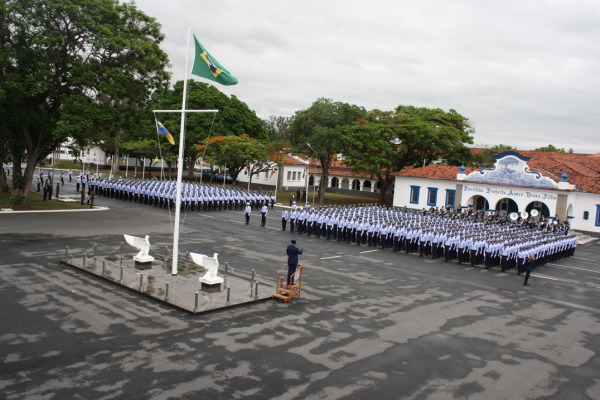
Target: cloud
{"x": 524, "y": 72}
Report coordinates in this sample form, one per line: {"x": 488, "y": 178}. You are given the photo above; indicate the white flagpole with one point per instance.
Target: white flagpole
{"x": 180, "y": 162}
{"x": 183, "y": 111}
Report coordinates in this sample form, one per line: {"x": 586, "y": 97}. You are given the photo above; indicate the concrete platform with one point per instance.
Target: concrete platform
{"x": 183, "y": 291}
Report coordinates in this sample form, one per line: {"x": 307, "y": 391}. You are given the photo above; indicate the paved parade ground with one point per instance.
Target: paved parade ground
{"x": 371, "y": 324}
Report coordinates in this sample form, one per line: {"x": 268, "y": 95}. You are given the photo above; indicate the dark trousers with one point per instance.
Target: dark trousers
{"x": 527, "y": 273}
{"x": 283, "y": 223}
{"x": 291, "y": 272}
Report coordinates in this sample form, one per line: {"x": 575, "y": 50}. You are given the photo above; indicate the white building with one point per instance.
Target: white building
{"x": 557, "y": 185}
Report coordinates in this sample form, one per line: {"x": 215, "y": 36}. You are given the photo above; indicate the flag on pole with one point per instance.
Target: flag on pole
{"x": 161, "y": 130}
{"x": 206, "y": 66}
{"x": 156, "y": 161}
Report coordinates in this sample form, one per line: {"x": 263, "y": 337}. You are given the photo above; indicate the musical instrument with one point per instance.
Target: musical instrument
{"x": 534, "y": 213}
{"x": 524, "y": 214}
{"x": 514, "y": 216}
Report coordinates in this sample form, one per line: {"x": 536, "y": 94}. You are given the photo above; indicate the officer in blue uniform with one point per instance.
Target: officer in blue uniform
{"x": 293, "y": 252}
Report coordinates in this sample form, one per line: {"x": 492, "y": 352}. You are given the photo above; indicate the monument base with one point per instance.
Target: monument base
{"x": 214, "y": 288}
{"x": 143, "y": 262}
{"x": 143, "y": 265}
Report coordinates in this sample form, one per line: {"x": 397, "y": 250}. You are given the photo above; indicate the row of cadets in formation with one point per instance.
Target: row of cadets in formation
{"x": 449, "y": 235}
{"x": 194, "y": 196}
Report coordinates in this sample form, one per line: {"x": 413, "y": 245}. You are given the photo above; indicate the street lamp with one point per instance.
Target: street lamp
{"x": 275, "y": 171}
{"x": 314, "y": 178}
{"x": 96, "y": 161}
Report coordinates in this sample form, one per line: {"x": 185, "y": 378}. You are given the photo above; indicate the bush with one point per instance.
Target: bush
{"x": 18, "y": 181}
{"x": 17, "y": 200}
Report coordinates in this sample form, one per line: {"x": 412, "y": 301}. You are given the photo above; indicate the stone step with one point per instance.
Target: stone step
{"x": 584, "y": 239}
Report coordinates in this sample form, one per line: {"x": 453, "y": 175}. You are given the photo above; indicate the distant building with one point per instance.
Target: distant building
{"x": 294, "y": 172}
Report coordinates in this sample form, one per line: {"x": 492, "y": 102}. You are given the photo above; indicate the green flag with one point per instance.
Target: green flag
{"x": 206, "y": 66}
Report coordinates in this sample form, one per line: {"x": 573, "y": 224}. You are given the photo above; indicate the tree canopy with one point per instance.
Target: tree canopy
{"x": 317, "y": 132}
{"x": 73, "y": 68}
{"x": 234, "y": 117}
{"x": 237, "y": 153}
{"x": 550, "y": 149}
{"x": 484, "y": 158}
{"x": 384, "y": 142}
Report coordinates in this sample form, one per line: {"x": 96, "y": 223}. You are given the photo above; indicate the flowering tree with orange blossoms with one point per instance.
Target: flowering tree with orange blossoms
{"x": 237, "y": 153}
{"x": 384, "y": 142}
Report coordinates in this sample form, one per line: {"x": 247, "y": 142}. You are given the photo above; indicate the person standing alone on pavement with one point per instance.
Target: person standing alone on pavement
{"x": 263, "y": 214}
{"x": 247, "y": 213}
{"x": 528, "y": 268}
{"x": 293, "y": 252}
{"x": 284, "y": 218}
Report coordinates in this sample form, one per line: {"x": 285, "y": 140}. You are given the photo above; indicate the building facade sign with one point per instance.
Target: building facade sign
{"x": 509, "y": 192}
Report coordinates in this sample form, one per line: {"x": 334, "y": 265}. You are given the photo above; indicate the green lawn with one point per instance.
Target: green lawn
{"x": 35, "y": 201}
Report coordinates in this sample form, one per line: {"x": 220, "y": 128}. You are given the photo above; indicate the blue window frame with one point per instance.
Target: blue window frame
{"x": 450, "y": 197}
{"x": 414, "y": 194}
{"x": 432, "y": 196}
{"x": 597, "y": 214}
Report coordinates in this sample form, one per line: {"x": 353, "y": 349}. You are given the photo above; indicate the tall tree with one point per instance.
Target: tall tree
{"x": 237, "y": 153}
{"x": 277, "y": 127}
{"x": 234, "y": 117}
{"x": 317, "y": 132}
{"x": 384, "y": 142}
{"x": 72, "y": 66}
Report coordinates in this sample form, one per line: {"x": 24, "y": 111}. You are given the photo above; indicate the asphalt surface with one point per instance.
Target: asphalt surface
{"x": 370, "y": 324}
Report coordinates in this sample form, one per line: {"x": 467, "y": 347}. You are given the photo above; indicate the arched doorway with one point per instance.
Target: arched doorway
{"x": 478, "y": 203}
{"x": 542, "y": 209}
{"x": 506, "y": 206}
{"x": 356, "y": 184}
{"x": 345, "y": 183}
{"x": 367, "y": 186}
{"x": 335, "y": 182}
{"x": 378, "y": 186}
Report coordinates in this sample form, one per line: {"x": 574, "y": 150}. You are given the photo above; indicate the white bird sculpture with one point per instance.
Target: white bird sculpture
{"x": 211, "y": 264}
{"x": 143, "y": 245}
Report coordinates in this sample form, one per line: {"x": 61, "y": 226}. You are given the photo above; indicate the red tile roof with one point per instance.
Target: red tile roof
{"x": 583, "y": 170}
{"x": 289, "y": 160}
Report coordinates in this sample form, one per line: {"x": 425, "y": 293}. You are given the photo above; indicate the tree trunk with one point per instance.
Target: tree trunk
{"x": 191, "y": 164}
{"x": 3, "y": 177}
{"x": 17, "y": 161}
{"x": 19, "y": 195}
{"x": 3, "y": 180}
{"x": 385, "y": 184}
{"x": 323, "y": 182}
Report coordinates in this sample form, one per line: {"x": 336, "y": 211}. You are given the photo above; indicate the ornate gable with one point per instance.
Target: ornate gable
{"x": 511, "y": 169}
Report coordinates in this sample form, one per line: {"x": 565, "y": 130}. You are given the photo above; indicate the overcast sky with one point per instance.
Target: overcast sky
{"x": 526, "y": 73}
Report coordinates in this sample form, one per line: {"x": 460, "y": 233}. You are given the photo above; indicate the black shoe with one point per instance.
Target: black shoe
{"x": 526, "y": 284}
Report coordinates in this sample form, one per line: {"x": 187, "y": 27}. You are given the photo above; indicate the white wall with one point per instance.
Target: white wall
{"x": 402, "y": 191}
{"x": 582, "y": 202}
